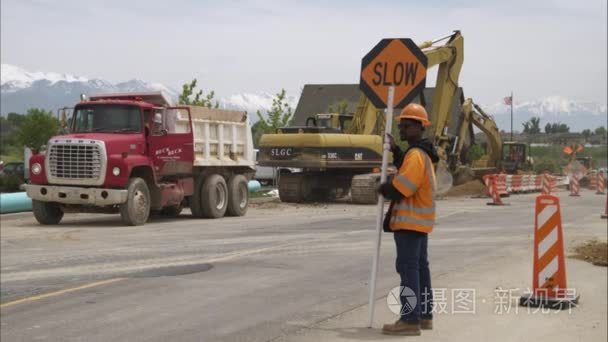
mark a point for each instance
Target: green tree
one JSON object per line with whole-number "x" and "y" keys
{"x": 256, "y": 132}
{"x": 15, "y": 119}
{"x": 279, "y": 115}
{"x": 188, "y": 89}
{"x": 601, "y": 131}
{"x": 534, "y": 125}
{"x": 339, "y": 107}
{"x": 37, "y": 128}
{"x": 475, "y": 152}
{"x": 586, "y": 134}
{"x": 557, "y": 127}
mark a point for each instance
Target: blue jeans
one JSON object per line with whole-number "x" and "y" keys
{"x": 413, "y": 266}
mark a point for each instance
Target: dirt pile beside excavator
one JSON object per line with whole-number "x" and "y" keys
{"x": 595, "y": 252}
{"x": 471, "y": 188}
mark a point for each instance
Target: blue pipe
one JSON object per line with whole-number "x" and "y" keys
{"x": 18, "y": 201}
{"x": 15, "y": 202}
{"x": 254, "y": 186}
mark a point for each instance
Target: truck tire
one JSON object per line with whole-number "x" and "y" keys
{"x": 238, "y": 196}
{"x": 172, "y": 211}
{"x": 196, "y": 198}
{"x": 214, "y": 195}
{"x": 136, "y": 210}
{"x": 47, "y": 212}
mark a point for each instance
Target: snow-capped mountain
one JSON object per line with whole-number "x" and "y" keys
{"x": 22, "y": 89}
{"x": 550, "y": 109}
{"x": 251, "y": 103}
{"x": 15, "y": 78}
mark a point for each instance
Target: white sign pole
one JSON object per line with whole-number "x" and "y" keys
{"x": 379, "y": 220}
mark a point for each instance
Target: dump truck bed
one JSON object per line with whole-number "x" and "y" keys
{"x": 221, "y": 137}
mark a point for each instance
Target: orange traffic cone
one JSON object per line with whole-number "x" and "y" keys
{"x": 574, "y": 186}
{"x": 546, "y": 185}
{"x": 486, "y": 181}
{"x": 601, "y": 184}
{"x": 549, "y": 275}
{"x": 494, "y": 192}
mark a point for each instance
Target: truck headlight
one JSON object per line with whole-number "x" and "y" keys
{"x": 36, "y": 168}
{"x": 116, "y": 171}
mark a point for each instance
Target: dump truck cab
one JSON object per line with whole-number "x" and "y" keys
{"x": 111, "y": 137}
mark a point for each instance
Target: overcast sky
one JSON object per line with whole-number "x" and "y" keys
{"x": 535, "y": 48}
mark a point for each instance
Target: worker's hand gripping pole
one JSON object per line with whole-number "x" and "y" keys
{"x": 386, "y": 148}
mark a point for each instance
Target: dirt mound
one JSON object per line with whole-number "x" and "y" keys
{"x": 472, "y": 188}
{"x": 595, "y": 252}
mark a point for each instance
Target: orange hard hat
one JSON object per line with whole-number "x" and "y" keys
{"x": 416, "y": 112}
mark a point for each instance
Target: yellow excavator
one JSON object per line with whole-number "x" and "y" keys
{"x": 340, "y": 153}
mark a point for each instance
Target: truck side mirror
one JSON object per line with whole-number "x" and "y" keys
{"x": 158, "y": 118}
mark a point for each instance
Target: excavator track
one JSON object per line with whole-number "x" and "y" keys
{"x": 364, "y": 188}
{"x": 312, "y": 187}
{"x": 293, "y": 188}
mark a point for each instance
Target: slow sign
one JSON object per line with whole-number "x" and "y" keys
{"x": 393, "y": 62}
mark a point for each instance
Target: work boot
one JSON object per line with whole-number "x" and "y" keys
{"x": 401, "y": 328}
{"x": 426, "y": 324}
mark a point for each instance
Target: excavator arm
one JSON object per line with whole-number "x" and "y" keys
{"x": 449, "y": 57}
{"x": 472, "y": 113}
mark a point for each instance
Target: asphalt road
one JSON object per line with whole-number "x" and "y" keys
{"x": 260, "y": 277}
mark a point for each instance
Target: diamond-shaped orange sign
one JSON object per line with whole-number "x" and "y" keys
{"x": 393, "y": 62}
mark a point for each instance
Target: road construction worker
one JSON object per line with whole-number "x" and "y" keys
{"x": 411, "y": 217}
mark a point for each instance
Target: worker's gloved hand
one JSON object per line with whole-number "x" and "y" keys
{"x": 391, "y": 141}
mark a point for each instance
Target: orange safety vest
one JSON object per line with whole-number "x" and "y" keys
{"x": 416, "y": 181}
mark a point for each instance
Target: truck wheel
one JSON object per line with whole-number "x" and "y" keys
{"x": 196, "y": 199}
{"x": 172, "y": 211}
{"x": 136, "y": 210}
{"x": 238, "y": 196}
{"x": 47, "y": 212}
{"x": 214, "y": 196}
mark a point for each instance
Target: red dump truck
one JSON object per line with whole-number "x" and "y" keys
{"x": 134, "y": 153}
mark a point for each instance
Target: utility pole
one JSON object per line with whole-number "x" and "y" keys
{"x": 511, "y": 115}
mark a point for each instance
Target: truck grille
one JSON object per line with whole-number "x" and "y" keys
{"x": 80, "y": 162}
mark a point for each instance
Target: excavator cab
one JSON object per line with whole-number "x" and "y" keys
{"x": 322, "y": 123}
{"x": 515, "y": 156}
{"x": 587, "y": 162}
{"x": 339, "y": 122}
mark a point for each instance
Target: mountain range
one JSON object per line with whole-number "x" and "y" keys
{"x": 21, "y": 89}
{"x": 550, "y": 109}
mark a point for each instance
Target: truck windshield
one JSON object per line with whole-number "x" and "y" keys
{"x": 106, "y": 118}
